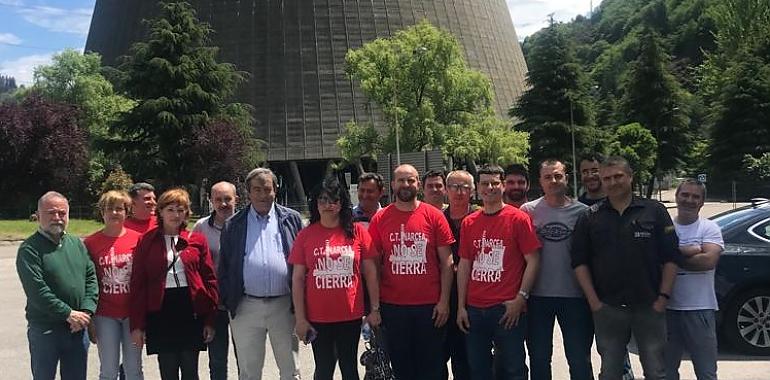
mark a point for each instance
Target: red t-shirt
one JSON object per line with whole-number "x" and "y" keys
{"x": 496, "y": 245}
{"x": 333, "y": 287}
{"x": 113, "y": 259}
{"x": 140, "y": 226}
{"x": 407, "y": 242}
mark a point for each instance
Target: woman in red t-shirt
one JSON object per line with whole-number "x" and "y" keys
{"x": 326, "y": 285}
{"x": 112, "y": 250}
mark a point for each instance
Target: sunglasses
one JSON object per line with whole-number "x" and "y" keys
{"x": 324, "y": 200}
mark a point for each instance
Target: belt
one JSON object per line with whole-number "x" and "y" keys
{"x": 262, "y": 297}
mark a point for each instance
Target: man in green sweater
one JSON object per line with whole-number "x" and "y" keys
{"x": 59, "y": 280}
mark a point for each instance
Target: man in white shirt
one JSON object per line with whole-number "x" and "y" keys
{"x": 223, "y": 199}
{"x": 690, "y": 315}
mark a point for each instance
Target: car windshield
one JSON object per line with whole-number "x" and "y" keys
{"x": 728, "y": 219}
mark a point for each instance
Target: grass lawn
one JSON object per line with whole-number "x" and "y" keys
{"x": 20, "y": 229}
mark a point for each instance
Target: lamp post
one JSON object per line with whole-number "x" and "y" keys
{"x": 574, "y": 161}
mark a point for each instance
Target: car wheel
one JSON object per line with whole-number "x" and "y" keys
{"x": 747, "y": 322}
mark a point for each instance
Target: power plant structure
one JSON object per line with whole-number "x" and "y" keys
{"x": 294, "y": 52}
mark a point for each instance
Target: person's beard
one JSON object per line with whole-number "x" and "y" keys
{"x": 406, "y": 194}
{"x": 55, "y": 229}
{"x": 515, "y": 195}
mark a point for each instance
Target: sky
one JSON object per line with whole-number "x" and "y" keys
{"x": 31, "y": 31}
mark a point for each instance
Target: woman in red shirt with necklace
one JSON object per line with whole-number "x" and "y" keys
{"x": 328, "y": 257}
{"x": 173, "y": 290}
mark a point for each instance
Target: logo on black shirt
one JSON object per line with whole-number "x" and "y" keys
{"x": 554, "y": 231}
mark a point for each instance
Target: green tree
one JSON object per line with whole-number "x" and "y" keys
{"x": 359, "y": 142}
{"x": 422, "y": 83}
{"x": 558, "y": 96}
{"x": 655, "y": 99}
{"x": 180, "y": 89}
{"x": 638, "y": 146}
{"x": 758, "y": 167}
{"x": 740, "y": 116}
{"x": 76, "y": 79}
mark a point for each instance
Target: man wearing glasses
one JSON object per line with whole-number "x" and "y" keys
{"x": 460, "y": 187}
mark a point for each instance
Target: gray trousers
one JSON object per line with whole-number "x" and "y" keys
{"x": 254, "y": 320}
{"x": 613, "y": 328}
{"x": 693, "y": 331}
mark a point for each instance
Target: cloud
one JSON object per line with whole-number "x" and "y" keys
{"x": 22, "y": 68}
{"x": 9, "y": 39}
{"x": 529, "y": 16}
{"x": 60, "y": 20}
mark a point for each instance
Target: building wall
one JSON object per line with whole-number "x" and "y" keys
{"x": 295, "y": 51}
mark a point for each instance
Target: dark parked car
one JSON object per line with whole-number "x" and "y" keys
{"x": 743, "y": 278}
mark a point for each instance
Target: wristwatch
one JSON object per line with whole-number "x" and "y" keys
{"x": 524, "y": 294}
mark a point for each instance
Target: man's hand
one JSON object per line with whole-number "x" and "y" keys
{"x": 374, "y": 319}
{"x": 513, "y": 310}
{"x": 137, "y": 338}
{"x": 660, "y": 304}
{"x": 462, "y": 320}
{"x": 440, "y": 314}
{"x": 92, "y": 333}
{"x": 78, "y": 320}
{"x": 208, "y": 334}
{"x": 595, "y": 305}
{"x": 690, "y": 249}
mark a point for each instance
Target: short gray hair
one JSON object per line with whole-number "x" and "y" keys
{"x": 50, "y": 195}
{"x": 261, "y": 172}
{"x": 457, "y": 173}
{"x": 228, "y": 184}
{"x": 134, "y": 190}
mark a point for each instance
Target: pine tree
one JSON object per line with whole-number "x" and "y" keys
{"x": 180, "y": 89}
{"x": 557, "y": 93}
{"x": 655, "y": 99}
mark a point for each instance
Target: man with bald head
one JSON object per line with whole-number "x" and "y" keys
{"x": 223, "y": 199}
{"x": 59, "y": 280}
{"x": 413, "y": 240}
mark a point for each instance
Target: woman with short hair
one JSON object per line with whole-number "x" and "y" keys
{"x": 174, "y": 290}
{"x": 112, "y": 250}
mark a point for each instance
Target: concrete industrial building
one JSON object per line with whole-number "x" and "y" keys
{"x": 295, "y": 52}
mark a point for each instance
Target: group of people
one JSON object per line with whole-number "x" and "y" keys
{"x": 439, "y": 282}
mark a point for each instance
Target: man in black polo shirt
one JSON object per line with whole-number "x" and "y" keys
{"x": 623, "y": 252}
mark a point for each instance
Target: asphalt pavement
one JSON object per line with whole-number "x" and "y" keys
{"x": 14, "y": 352}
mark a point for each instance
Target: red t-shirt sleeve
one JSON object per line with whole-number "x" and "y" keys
{"x": 297, "y": 254}
{"x": 444, "y": 236}
{"x": 367, "y": 247}
{"x": 526, "y": 237}
{"x": 374, "y": 233}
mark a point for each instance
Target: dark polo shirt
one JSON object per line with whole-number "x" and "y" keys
{"x": 625, "y": 253}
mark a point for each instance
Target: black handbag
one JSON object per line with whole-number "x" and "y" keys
{"x": 375, "y": 359}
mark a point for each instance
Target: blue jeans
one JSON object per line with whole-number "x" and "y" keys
{"x": 57, "y": 346}
{"x": 485, "y": 333}
{"x": 577, "y": 329}
{"x": 218, "y": 348}
{"x": 112, "y": 335}
{"x": 614, "y": 326}
{"x": 415, "y": 346}
{"x": 693, "y": 331}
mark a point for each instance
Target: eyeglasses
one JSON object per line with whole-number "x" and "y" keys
{"x": 459, "y": 187}
{"x": 324, "y": 200}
